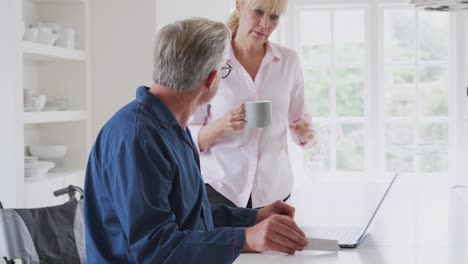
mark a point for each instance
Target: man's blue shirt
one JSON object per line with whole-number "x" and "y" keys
{"x": 145, "y": 200}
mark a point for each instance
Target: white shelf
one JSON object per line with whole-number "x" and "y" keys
{"x": 42, "y": 52}
{"x": 53, "y": 117}
{"x": 55, "y": 175}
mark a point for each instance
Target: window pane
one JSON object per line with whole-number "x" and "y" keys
{"x": 317, "y": 91}
{"x": 434, "y": 162}
{"x": 434, "y": 134}
{"x": 434, "y": 143}
{"x": 399, "y": 135}
{"x": 399, "y": 92}
{"x": 434, "y": 36}
{"x": 399, "y": 161}
{"x": 400, "y": 141}
{"x": 350, "y": 92}
{"x": 349, "y": 36}
{"x": 400, "y": 35}
{"x": 350, "y": 147}
{"x": 434, "y": 91}
{"x": 315, "y": 36}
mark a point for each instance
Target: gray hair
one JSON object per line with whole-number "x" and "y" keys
{"x": 187, "y": 51}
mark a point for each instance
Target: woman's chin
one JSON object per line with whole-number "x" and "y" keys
{"x": 258, "y": 39}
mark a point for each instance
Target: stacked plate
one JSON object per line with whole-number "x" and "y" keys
{"x": 33, "y": 103}
{"x": 60, "y": 164}
{"x": 30, "y": 164}
{"x": 28, "y": 100}
{"x": 50, "y": 153}
{"x": 33, "y": 167}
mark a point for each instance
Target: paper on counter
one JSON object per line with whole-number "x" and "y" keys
{"x": 322, "y": 244}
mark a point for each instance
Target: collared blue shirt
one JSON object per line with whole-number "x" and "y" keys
{"x": 145, "y": 200}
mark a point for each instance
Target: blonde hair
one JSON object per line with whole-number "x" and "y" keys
{"x": 277, "y": 7}
{"x": 187, "y": 51}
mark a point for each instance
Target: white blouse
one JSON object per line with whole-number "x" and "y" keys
{"x": 254, "y": 161}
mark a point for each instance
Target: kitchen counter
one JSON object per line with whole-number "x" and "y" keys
{"x": 421, "y": 221}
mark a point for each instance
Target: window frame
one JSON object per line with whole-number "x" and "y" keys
{"x": 375, "y": 121}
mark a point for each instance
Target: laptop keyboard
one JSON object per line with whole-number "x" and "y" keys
{"x": 344, "y": 235}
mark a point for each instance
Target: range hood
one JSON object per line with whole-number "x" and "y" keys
{"x": 442, "y": 5}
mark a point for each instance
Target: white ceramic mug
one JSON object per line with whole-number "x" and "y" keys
{"x": 258, "y": 113}
{"x": 67, "y": 38}
{"x": 30, "y": 34}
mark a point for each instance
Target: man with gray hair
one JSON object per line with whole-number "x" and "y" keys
{"x": 145, "y": 200}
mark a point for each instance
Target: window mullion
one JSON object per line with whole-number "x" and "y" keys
{"x": 373, "y": 93}
{"x": 333, "y": 116}
{"x": 417, "y": 93}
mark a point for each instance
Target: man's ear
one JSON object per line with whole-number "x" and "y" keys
{"x": 209, "y": 82}
{"x": 237, "y": 8}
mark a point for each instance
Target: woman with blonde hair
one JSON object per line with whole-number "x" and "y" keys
{"x": 250, "y": 167}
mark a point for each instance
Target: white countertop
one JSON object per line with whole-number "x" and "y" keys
{"x": 421, "y": 221}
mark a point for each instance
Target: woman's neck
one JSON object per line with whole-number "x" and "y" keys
{"x": 249, "y": 56}
{"x": 243, "y": 48}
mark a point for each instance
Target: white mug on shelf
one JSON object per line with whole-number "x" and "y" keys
{"x": 47, "y": 36}
{"x": 30, "y": 34}
{"x": 66, "y": 38}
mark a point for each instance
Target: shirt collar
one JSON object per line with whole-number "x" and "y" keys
{"x": 155, "y": 107}
{"x": 272, "y": 53}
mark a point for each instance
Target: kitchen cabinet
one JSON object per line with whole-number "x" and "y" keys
{"x": 62, "y": 75}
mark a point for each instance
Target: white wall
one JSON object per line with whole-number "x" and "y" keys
{"x": 464, "y": 178}
{"x": 167, "y": 11}
{"x": 10, "y": 81}
{"x": 466, "y": 70}
{"x": 122, "y": 37}
{"x": 461, "y": 143}
{"x": 123, "y": 34}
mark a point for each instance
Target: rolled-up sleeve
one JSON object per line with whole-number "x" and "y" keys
{"x": 297, "y": 109}
{"x": 237, "y": 217}
{"x": 197, "y": 121}
{"x": 141, "y": 180}
{"x": 297, "y": 105}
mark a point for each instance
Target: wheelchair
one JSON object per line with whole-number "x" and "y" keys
{"x": 49, "y": 235}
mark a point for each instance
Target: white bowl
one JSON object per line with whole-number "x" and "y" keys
{"x": 31, "y": 34}
{"x": 46, "y": 37}
{"x": 35, "y": 104}
{"x": 48, "y": 151}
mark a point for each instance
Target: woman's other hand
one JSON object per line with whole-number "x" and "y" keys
{"x": 303, "y": 131}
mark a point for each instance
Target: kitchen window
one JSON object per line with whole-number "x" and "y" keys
{"x": 377, "y": 81}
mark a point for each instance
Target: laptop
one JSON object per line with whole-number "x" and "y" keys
{"x": 347, "y": 237}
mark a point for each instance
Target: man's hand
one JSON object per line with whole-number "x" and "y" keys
{"x": 276, "y": 233}
{"x": 276, "y": 208}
